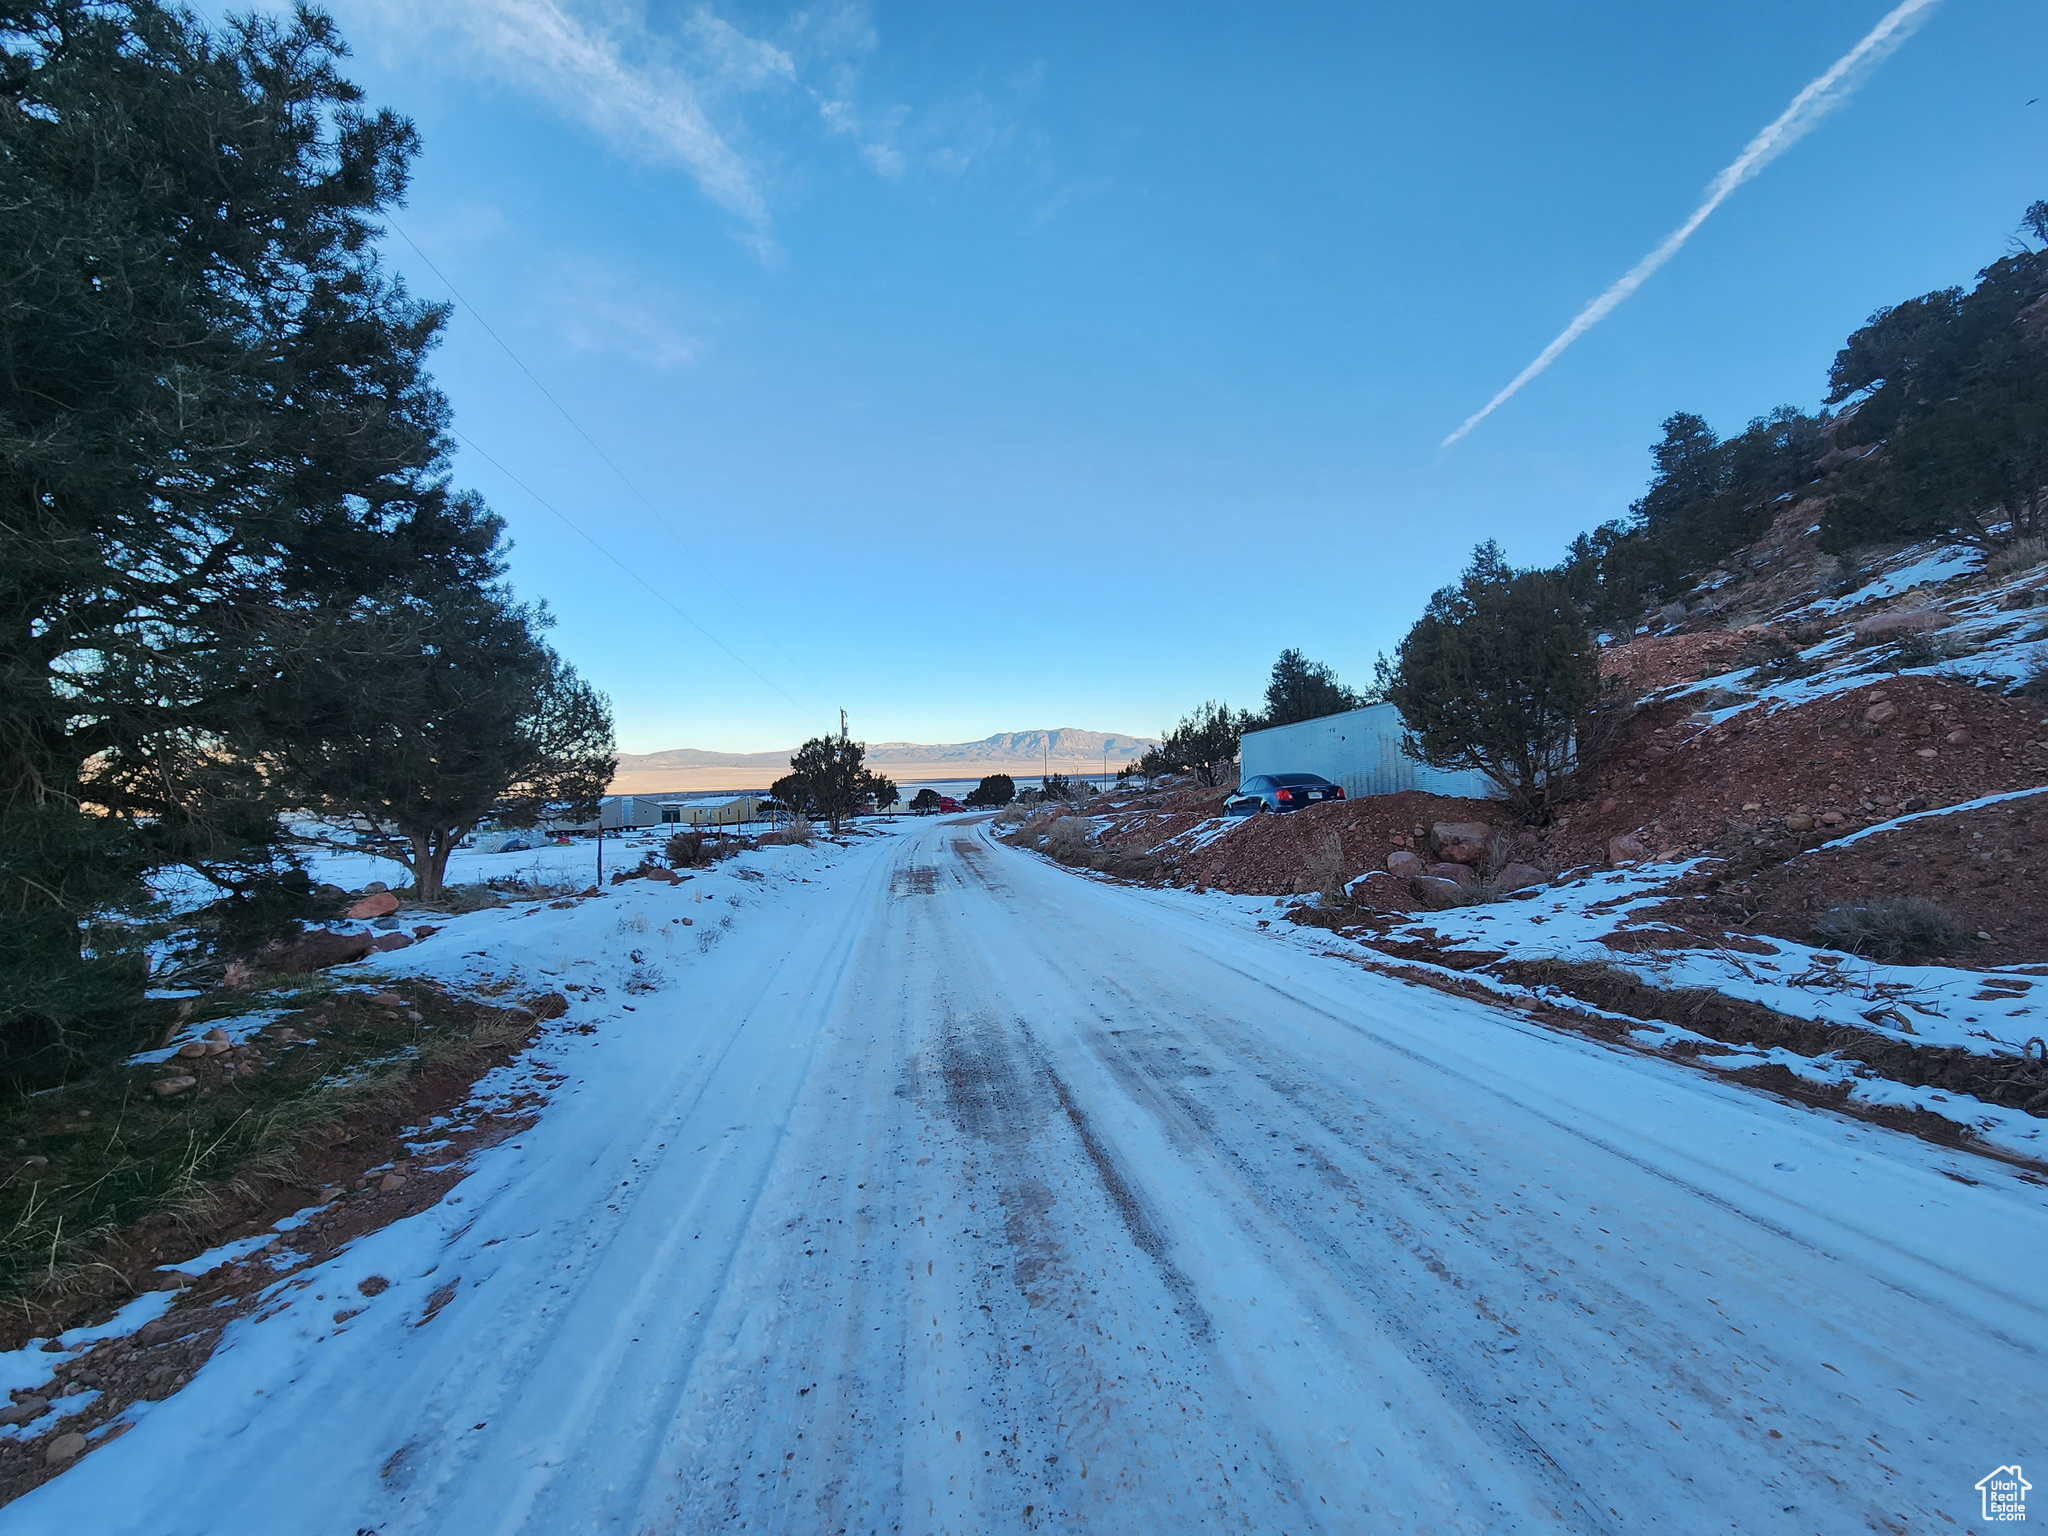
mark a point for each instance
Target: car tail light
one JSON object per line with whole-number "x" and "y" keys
{"x": 1337, "y": 794}
{"x": 1283, "y": 794}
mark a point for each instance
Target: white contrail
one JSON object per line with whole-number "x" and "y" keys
{"x": 1807, "y": 109}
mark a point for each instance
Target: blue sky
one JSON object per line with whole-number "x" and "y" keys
{"x": 1058, "y": 365}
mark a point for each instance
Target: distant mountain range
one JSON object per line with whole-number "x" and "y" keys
{"x": 1017, "y": 753}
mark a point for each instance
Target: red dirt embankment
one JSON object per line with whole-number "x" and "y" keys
{"x": 1982, "y": 867}
{"x": 1858, "y": 756}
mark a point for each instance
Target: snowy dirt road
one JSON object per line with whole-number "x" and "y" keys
{"x": 955, "y": 1192}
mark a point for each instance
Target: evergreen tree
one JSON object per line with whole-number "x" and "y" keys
{"x": 213, "y": 409}
{"x": 833, "y": 777}
{"x": 996, "y": 789}
{"x": 1500, "y": 675}
{"x": 1300, "y": 689}
{"x": 1955, "y": 386}
{"x": 424, "y": 713}
{"x": 1204, "y": 744}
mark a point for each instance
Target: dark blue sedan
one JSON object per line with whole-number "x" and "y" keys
{"x": 1280, "y": 792}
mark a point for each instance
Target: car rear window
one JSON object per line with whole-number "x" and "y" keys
{"x": 1310, "y": 779}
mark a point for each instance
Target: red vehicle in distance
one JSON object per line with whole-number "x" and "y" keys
{"x": 948, "y": 803}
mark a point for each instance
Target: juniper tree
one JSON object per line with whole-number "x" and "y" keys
{"x": 420, "y": 713}
{"x": 213, "y": 408}
{"x": 831, "y": 775}
{"x": 1500, "y": 675}
{"x": 997, "y": 789}
{"x": 1300, "y": 689}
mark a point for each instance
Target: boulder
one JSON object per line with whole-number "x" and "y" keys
{"x": 1460, "y": 842}
{"x": 1518, "y": 877}
{"x": 1880, "y": 712}
{"x": 376, "y": 904}
{"x": 170, "y": 1087}
{"x": 1458, "y": 874}
{"x": 192, "y": 1048}
{"x": 386, "y": 942}
{"x": 1403, "y": 863}
{"x": 1626, "y": 849}
{"x": 1958, "y": 736}
{"x": 65, "y": 1449}
{"x": 24, "y": 1410}
{"x": 317, "y": 950}
{"x": 1437, "y": 894}
{"x": 1799, "y": 821}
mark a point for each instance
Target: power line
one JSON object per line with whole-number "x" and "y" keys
{"x": 653, "y": 511}
{"x": 659, "y": 595}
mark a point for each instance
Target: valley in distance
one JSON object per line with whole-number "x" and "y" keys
{"x": 1021, "y": 754}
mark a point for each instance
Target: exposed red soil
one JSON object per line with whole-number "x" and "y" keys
{"x": 1983, "y": 867}
{"x": 1651, "y": 662}
{"x": 1684, "y": 788}
{"x": 1271, "y": 855}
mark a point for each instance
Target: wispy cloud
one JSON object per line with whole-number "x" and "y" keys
{"x": 1794, "y": 123}
{"x": 616, "y": 83}
{"x": 604, "y": 309}
{"x": 681, "y": 92}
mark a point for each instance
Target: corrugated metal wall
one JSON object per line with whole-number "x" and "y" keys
{"x": 1359, "y": 749}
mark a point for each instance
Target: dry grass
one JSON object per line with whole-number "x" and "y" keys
{"x": 2019, "y": 555}
{"x": 103, "y": 1152}
{"x": 1326, "y": 871}
{"x": 1907, "y": 621}
{"x": 1069, "y": 834}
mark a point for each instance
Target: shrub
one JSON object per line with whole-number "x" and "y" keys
{"x": 2035, "y": 688}
{"x": 1326, "y": 871}
{"x": 1068, "y": 836}
{"x": 1889, "y": 928}
{"x": 2019, "y": 555}
{"x": 1907, "y": 621}
{"x": 685, "y": 850}
{"x": 796, "y": 831}
{"x": 1915, "y": 650}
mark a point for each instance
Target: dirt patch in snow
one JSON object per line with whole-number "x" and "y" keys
{"x": 353, "y": 1163}
{"x": 1612, "y": 991}
{"x": 1734, "y": 1021}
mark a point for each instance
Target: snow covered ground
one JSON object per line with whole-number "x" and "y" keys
{"x": 926, "y": 1186}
